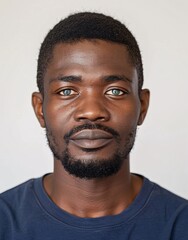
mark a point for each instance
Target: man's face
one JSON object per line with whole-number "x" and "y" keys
{"x": 91, "y": 107}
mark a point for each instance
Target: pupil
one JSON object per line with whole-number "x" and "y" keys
{"x": 115, "y": 92}
{"x": 67, "y": 92}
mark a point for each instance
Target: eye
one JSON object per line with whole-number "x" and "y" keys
{"x": 115, "y": 92}
{"x": 67, "y": 92}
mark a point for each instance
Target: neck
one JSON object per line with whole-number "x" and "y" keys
{"x": 92, "y": 198}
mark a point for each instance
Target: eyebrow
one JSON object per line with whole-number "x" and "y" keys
{"x": 116, "y": 78}
{"x": 71, "y": 78}
{"x": 108, "y": 78}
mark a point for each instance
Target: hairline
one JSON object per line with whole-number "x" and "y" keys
{"x": 75, "y": 41}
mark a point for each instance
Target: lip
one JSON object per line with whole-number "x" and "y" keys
{"x": 91, "y": 138}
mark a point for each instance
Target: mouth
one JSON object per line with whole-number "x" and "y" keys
{"x": 91, "y": 139}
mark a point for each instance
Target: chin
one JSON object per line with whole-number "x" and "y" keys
{"x": 92, "y": 168}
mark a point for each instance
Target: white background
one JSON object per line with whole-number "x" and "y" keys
{"x": 161, "y": 28}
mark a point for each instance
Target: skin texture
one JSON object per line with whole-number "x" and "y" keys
{"x": 91, "y": 82}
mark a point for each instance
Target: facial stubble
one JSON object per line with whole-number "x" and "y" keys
{"x": 95, "y": 168}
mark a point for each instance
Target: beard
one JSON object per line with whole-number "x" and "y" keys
{"x": 95, "y": 168}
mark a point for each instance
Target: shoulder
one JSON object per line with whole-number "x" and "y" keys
{"x": 12, "y": 204}
{"x": 160, "y": 197}
{"x": 160, "y": 202}
{"x": 15, "y": 194}
{"x": 13, "y": 199}
{"x": 167, "y": 198}
{"x": 173, "y": 209}
{"x": 18, "y": 199}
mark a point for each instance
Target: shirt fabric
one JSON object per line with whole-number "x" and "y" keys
{"x": 26, "y": 212}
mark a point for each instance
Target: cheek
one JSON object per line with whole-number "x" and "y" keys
{"x": 56, "y": 116}
{"x": 127, "y": 117}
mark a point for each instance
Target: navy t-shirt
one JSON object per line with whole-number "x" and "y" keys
{"x": 26, "y": 212}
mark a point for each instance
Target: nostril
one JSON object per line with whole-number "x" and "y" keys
{"x": 91, "y": 110}
{"x": 92, "y": 114}
{"x": 100, "y": 119}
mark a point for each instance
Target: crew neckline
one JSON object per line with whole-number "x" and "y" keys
{"x": 58, "y": 214}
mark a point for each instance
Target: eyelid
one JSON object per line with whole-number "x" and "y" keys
{"x": 74, "y": 92}
{"x": 123, "y": 92}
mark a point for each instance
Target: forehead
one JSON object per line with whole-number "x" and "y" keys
{"x": 96, "y": 57}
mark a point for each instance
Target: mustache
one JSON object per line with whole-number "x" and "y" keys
{"x": 110, "y": 130}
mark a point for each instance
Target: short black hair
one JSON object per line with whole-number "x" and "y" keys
{"x": 88, "y": 25}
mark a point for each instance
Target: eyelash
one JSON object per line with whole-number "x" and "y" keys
{"x": 67, "y": 89}
{"x": 122, "y": 92}
{"x": 116, "y": 89}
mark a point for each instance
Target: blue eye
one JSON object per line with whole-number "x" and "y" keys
{"x": 67, "y": 92}
{"x": 115, "y": 92}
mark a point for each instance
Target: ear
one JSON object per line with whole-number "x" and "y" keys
{"x": 144, "y": 100}
{"x": 37, "y": 102}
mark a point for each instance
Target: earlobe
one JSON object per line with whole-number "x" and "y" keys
{"x": 37, "y": 102}
{"x": 144, "y": 100}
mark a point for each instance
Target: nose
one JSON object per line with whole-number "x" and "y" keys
{"x": 92, "y": 109}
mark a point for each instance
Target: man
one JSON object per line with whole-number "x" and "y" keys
{"x": 90, "y": 102}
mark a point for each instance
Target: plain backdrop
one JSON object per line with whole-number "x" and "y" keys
{"x": 161, "y": 28}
